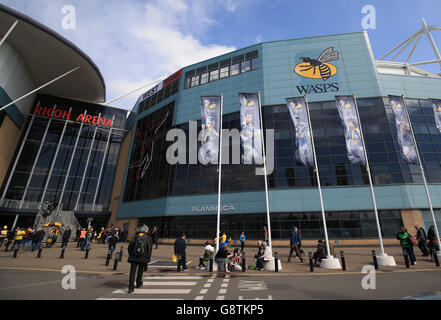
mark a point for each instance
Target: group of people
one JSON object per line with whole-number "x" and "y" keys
{"x": 427, "y": 243}
{"x": 28, "y": 238}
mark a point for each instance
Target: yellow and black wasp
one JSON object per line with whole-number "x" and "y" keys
{"x": 320, "y": 63}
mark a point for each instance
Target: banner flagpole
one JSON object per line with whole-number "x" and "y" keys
{"x": 220, "y": 175}
{"x": 424, "y": 177}
{"x": 266, "y": 178}
{"x": 318, "y": 179}
{"x": 383, "y": 259}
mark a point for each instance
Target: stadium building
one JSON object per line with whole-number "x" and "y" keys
{"x": 183, "y": 197}
{"x": 58, "y": 146}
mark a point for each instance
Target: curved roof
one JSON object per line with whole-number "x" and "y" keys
{"x": 48, "y": 55}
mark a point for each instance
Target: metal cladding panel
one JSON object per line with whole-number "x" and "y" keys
{"x": 410, "y": 86}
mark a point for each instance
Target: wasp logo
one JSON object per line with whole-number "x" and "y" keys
{"x": 308, "y": 68}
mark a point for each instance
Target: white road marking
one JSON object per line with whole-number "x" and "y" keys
{"x": 207, "y": 285}
{"x": 173, "y": 278}
{"x": 224, "y": 285}
{"x": 203, "y": 291}
{"x": 199, "y": 298}
{"x": 170, "y": 283}
{"x": 139, "y": 298}
{"x": 220, "y": 298}
{"x": 223, "y": 291}
{"x": 156, "y": 291}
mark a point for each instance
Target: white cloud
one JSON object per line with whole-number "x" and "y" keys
{"x": 132, "y": 41}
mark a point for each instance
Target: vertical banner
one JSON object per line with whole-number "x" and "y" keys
{"x": 299, "y": 116}
{"x": 437, "y": 113}
{"x": 404, "y": 131}
{"x": 210, "y": 119}
{"x": 250, "y": 128}
{"x": 348, "y": 115}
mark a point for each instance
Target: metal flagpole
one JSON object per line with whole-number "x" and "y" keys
{"x": 266, "y": 178}
{"x": 132, "y": 91}
{"x": 220, "y": 175}
{"x": 45, "y": 85}
{"x": 318, "y": 179}
{"x": 8, "y": 33}
{"x": 368, "y": 169}
{"x": 424, "y": 177}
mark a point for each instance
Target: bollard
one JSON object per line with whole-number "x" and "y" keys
{"x": 343, "y": 260}
{"x": 15, "y": 253}
{"x": 311, "y": 265}
{"x": 179, "y": 261}
{"x": 406, "y": 258}
{"x": 62, "y": 253}
{"x": 244, "y": 266}
{"x": 87, "y": 253}
{"x": 374, "y": 256}
{"x": 115, "y": 264}
{"x": 435, "y": 257}
{"x": 210, "y": 265}
{"x": 39, "y": 253}
{"x": 109, "y": 256}
{"x": 276, "y": 262}
{"x": 121, "y": 253}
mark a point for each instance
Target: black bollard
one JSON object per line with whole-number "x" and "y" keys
{"x": 87, "y": 253}
{"x": 343, "y": 260}
{"x": 244, "y": 266}
{"x": 62, "y": 253}
{"x": 39, "y": 253}
{"x": 115, "y": 264}
{"x": 311, "y": 265}
{"x": 15, "y": 253}
{"x": 406, "y": 258}
{"x": 109, "y": 256}
{"x": 374, "y": 256}
{"x": 435, "y": 257}
{"x": 210, "y": 265}
{"x": 276, "y": 262}
{"x": 121, "y": 253}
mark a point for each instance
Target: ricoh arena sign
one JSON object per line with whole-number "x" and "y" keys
{"x": 66, "y": 115}
{"x": 208, "y": 209}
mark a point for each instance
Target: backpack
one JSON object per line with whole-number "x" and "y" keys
{"x": 139, "y": 245}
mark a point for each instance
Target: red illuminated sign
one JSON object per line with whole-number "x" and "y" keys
{"x": 175, "y": 76}
{"x": 66, "y": 115}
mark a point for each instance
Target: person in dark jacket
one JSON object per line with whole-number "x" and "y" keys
{"x": 66, "y": 237}
{"x": 155, "y": 236}
{"x": 406, "y": 243}
{"x": 37, "y": 239}
{"x": 113, "y": 239}
{"x": 421, "y": 238}
{"x": 294, "y": 245}
{"x": 320, "y": 253}
{"x": 180, "y": 247}
{"x": 140, "y": 252}
{"x": 432, "y": 240}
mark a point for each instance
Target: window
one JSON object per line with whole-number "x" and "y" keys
{"x": 204, "y": 78}
{"x": 195, "y": 81}
{"x": 187, "y": 83}
{"x": 224, "y": 72}
{"x": 246, "y": 66}
{"x": 255, "y": 64}
{"x": 235, "y": 69}
{"x": 214, "y": 75}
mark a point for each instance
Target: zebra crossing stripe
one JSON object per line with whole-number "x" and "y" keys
{"x": 173, "y": 278}
{"x": 170, "y": 283}
{"x": 155, "y": 291}
{"x": 139, "y": 299}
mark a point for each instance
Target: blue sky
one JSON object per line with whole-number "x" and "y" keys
{"x": 136, "y": 41}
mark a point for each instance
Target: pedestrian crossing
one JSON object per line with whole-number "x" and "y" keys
{"x": 190, "y": 287}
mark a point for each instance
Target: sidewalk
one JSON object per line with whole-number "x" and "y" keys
{"x": 356, "y": 258}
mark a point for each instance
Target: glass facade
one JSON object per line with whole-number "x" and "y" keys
{"x": 67, "y": 157}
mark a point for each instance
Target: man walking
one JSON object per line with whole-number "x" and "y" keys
{"x": 37, "y": 239}
{"x": 294, "y": 245}
{"x": 242, "y": 239}
{"x": 421, "y": 238}
{"x": 66, "y": 237}
{"x": 140, "y": 251}
{"x": 180, "y": 247}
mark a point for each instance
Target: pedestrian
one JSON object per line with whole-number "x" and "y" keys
{"x": 37, "y": 239}
{"x": 4, "y": 235}
{"x": 27, "y": 239}
{"x": 140, "y": 251}
{"x": 10, "y": 239}
{"x": 294, "y": 245}
{"x": 77, "y": 236}
{"x": 320, "y": 253}
{"x": 180, "y": 250}
{"x": 406, "y": 243}
{"x": 266, "y": 257}
{"x": 18, "y": 238}
{"x": 88, "y": 240}
{"x": 208, "y": 250}
{"x": 242, "y": 240}
{"x": 224, "y": 259}
{"x": 155, "y": 236}
{"x": 113, "y": 239}
{"x": 82, "y": 239}
{"x": 422, "y": 238}
{"x": 66, "y": 236}
{"x": 432, "y": 240}
{"x": 223, "y": 237}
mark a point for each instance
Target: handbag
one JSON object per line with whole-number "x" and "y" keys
{"x": 174, "y": 258}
